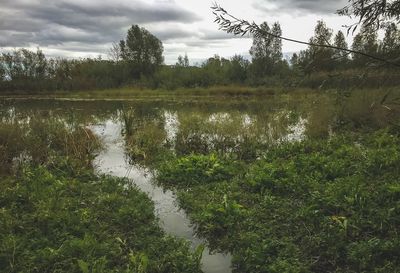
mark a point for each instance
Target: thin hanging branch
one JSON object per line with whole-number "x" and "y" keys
{"x": 376, "y": 13}
{"x": 231, "y": 24}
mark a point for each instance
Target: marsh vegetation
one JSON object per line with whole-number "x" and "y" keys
{"x": 58, "y": 215}
{"x": 299, "y": 182}
{"x": 267, "y": 163}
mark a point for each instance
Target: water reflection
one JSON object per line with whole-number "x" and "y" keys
{"x": 173, "y": 220}
{"x": 243, "y": 135}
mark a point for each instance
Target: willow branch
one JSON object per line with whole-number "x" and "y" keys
{"x": 231, "y": 24}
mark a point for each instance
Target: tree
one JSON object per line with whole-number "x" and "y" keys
{"x": 231, "y": 24}
{"x": 183, "y": 61}
{"x": 321, "y": 56}
{"x": 114, "y": 53}
{"x": 374, "y": 13}
{"x": 213, "y": 69}
{"x": 365, "y": 41}
{"x": 294, "y": 60}
{"x": 142, "y": 50}
{"x": 2, "y": 70}
{"x": 186, "y": 60}
{"x": 318, "y": 56}
{"x": 23, "y": 64}
{"x": 268, "y": 47}
{"x": 341, "y": 57}
{"x": 261, "y": 47}
{"x": 391, "y": 42}
{"x": 237, "y": 71}
{"x": 266, "y": 51}
{"x": 276, "y": 47}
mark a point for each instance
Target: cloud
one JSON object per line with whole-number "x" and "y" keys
{"x": 216, "y": 35}
{"x": 168, "y": 32}
{"x": 90, "y": 22}
{"x": 86, "y": 28}
{"x": 71, "y": 27}
{"x": 300, "y": 6}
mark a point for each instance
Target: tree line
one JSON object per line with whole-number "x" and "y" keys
{"x": 317, "y": 58}
{"x": 138, "y": 61}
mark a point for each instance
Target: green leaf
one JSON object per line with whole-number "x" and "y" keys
{"x": 84, "y": 266}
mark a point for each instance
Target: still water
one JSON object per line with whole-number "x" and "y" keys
{"x": 173, "y": 220}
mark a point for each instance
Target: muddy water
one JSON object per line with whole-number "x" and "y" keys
{"x": 173, "y": 220}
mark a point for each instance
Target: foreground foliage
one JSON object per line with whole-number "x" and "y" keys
{"x": 54, "y": 219}
{"x": 314, "y": 206}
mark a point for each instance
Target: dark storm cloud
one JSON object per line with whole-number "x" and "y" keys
{"x": 300, "y": 6}
{"x": 89, "y": 22}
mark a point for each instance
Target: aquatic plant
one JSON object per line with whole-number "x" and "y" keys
{"x": 312, "y": 206}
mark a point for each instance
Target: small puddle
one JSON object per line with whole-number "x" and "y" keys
{"x": 173, "y": 220}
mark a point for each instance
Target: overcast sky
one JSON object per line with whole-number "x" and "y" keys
{"x": 86, "y": 28}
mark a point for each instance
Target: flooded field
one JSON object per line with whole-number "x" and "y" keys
{"x": 173, "y": 126}
{"x": 221, "y": 149}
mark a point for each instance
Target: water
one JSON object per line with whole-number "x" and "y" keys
{"x": 173, "y": 220}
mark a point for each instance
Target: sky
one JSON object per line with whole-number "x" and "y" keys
{"x": 87, "y": 28}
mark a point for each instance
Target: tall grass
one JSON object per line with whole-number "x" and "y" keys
{"x": 375, "y": 109}
{"x": 11, "y": 144}
{"x": 39, "y": 140}
{"x": 146, "y": 139}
